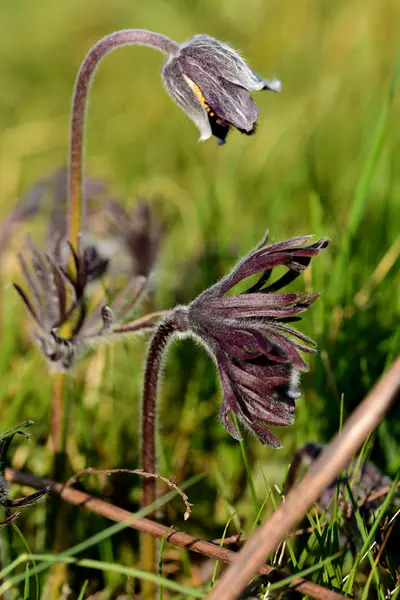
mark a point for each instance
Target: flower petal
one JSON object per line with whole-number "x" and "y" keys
{"x": 181, "y": 93}
{"x": 228, "y": 101}
{"x": 219, "y": 58}
{"x": 265, "y": 259}
{"x": 262, "y": 305}
{"x": 229, "y": 404}
{"x": 265, "y": 436}
{"x": 271, "y": 413}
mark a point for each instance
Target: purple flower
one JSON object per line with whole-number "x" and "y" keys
{"x": 58, "y": 297}
{"x": 256, "y": 351}
{"x": 211, "y": 82}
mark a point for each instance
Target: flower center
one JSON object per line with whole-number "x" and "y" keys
{"x": 199, "y": 94}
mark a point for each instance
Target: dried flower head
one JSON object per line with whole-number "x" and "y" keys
{"x": 211, "y": 82}
{"x": 58, "y": 298}
{"x": 256, "y": 351}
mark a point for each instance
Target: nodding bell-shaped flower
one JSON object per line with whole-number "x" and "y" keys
{"x": 211, "y": 82}
{"x": 257, "y": 353}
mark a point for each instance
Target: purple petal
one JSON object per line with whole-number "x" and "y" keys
{"x": 291, "y": 331}
{"x": 26, "y": 302}
{"x": 245, "y": 343}
{"x": 262, "y": 300}
{"x": 261, "y": 305}
{"x": 290, "y": 349}
{"x": 265, "y": 436}
{"x": 249, "y": 381}
{"x": 271, "y": 412}
{"x": 290, "y": 243}
{"x": 229, "y": 404}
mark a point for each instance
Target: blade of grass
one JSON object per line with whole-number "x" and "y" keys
{"x": 248, "y": 470}
{"x": 270, "y": 494}
{"x": 112, "y": 568}
{"x": 97, "y": 538}
{"x": 223, "y": 488}
{"x": 160, "y": 560}
{"x": 377, "y": 561}
{"x": 280, "y": 584}
{"x": 363, "y": 531}
{"x": 26, "y": 586}
{"x": 358, "y": 205}
{"x": 83, "y": 590}
{"x": 27, "y": 547}
{"x": 214, "y": 575}
{"x": 365, "y": 550}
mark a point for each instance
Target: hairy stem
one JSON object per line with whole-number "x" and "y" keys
{"x": 164, "y": 332}
{"x": 173, "y": 322}
{"x": 79, "y": 104}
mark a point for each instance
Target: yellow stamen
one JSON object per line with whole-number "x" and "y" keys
{"x": 198, "y": 93}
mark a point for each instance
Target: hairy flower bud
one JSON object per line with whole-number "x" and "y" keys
{"x": 211, "y": 82}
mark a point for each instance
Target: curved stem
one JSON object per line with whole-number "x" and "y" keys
{"x": 79, "y": 103}
{"x": 173, "y": 322}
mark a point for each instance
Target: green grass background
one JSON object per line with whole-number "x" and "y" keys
{"x": 325, "y": 160}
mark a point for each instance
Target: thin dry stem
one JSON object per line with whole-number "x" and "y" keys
{"x": 377, "y": 494}
{"x": 177, "y": 538}
{"x": 333, "y": 458}
{"x": 92, "y": 471}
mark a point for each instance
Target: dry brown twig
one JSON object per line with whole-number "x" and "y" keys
{"x": 333, "y": 458}
{"x": 92, "y": 471}
{"x": 375, "y": 495}
{"x": 177, "y": 538}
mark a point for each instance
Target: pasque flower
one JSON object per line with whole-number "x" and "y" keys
{"x": 256, "y": 351}
{"x": 249, "y": 336}
{"x": 211, "y": 82}
{"x": 59, "y": 297}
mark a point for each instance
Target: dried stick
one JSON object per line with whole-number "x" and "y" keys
{"x": 333, "y": 458}
{"x": 92, "y": 471}
{"x": 177, "y": 538}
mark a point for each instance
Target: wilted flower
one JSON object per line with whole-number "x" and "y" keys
{"x": 59, "y": 298}
{"x": 139, "y": 233}
{"x": 211, "y": 82}
{"x": 257, "y": 353}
